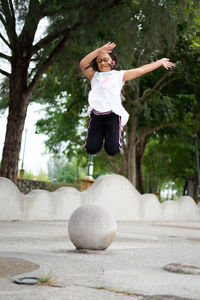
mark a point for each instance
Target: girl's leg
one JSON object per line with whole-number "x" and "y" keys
{"x": 94, "y": 139}
{"x": 113, "y": 134}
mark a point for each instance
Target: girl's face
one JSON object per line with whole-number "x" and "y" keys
{"x": 104, "y": 62}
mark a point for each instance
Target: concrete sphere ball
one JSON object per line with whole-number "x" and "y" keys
{"x": 92, "y": 227}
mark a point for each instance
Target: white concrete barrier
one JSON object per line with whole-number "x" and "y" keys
{"x": 170, "y": 210}
{"x": 188, "y": 209}
{"x": 150, "y": 207}
{"x": 11, "y": 201}
{"x": 44, "y": 205}
{"x": 113, "y": 192}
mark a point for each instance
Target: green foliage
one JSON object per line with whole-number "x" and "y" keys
{"x": 141, "y": 22}
{"x": 146, "y": 38}
{"x": 28, "y": 175}
{"x": 54, "y": 166}
{"x": 139, "y": 29}
{"x": 4, "y": 100}
{"x": 178, "y": 142}
{"x": 105, "y": 164}
{"x": 157, "y": 111}
{"x": 42, "y": 176}
{"x": 65, "y": 96}
{"x": 174, "y": 153}
{"x": 68, "y": 173}
{"x": 64, "y": 171}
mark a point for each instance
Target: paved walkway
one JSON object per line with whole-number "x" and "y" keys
{"x": 131, "y": 268}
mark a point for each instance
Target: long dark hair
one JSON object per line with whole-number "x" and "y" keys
{"x": 93, "y": 64}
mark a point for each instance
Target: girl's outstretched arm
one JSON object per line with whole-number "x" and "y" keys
{"x": 84, "y": 63}
{"x": 134, "y": 73}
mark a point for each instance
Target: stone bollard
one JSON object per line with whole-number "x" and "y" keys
{"x": 92, "y": 227}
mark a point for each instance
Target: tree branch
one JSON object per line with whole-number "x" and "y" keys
{"x": 2, "y": 55}
{"x": 9, "y": 23}
{"x": 156, "y": 87}
{"x": 52, "y": 57}
{"x": 165, "y": 75}
{"x": 5, "y": 73}
{"x": 4, "y": 40}
{"x": 151, "y": 130}
{"x": 44, "y": 5}
{"x": 153, "y": 89}
{"x": 47, "y": 39}
{"x": 2, "y": 20}
{"x": 12, "y": 11}
{"x": 167, "y": 82}
{"x": 30, "y": 26}
{"x": 162, "y": 86}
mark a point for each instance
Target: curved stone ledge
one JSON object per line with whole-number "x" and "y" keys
{"x": 113, "y": 192}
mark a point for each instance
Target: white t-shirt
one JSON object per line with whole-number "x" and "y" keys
{"x": 105, "y": 93}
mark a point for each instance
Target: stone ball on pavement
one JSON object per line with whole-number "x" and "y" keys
{"x": 92, "y": 227}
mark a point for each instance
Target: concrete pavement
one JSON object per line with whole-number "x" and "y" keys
{"x": 131, "y": 268}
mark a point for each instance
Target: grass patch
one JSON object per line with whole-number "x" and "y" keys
{"x": 53, "y": 186}
{"x": 117, "y": 291}
{"x": 46, "y": 279}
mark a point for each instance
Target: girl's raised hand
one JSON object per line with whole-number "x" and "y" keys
{"x": 107, "y": 48}
{"x": 166, "y": 63}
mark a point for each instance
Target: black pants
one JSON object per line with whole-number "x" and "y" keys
{"x": 104, "y": 129}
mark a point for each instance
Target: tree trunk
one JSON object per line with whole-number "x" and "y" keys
{"x": 12, "y": 145}
{"x": 131, "y": 149}
{"x": 192, "y": 187}
{"x": 139, "y": 156}
{"x": 139, "y": 179}
{"x": 18, "y": 104}
{"x": 132, "y": 165}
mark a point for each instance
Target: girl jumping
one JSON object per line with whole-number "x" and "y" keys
{"x": 107, "y": 115}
